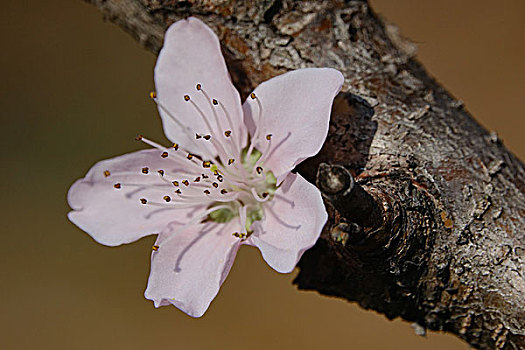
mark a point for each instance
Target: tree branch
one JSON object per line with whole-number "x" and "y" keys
{"x": 432, "y": 228}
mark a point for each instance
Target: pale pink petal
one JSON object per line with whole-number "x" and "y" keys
{"x": 191, "y": 264}
{"x": 116, "y": 216}
{"x": 192, "y": 55}
{"x": 293, "y": 221}
{"x": 295, "y": 110}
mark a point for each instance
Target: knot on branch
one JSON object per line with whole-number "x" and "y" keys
{"x": 348, "y": 198}
{"x": 371, "y": 220}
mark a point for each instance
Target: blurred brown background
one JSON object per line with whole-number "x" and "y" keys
{"x": 74, "y": 91}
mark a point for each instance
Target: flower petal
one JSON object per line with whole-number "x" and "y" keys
{"x": 116, "y": 216}
{"x": 293, "y": 221}
{"x": 192, "y": 55}
{"x": 295, "y": 110}
{"x": 189, "y": 266}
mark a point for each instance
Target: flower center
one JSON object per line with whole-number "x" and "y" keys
{"x": 228, "y": 181}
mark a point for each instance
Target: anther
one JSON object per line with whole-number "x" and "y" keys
{"x": 197, "y": 136}
{"x": 223, "y": 191}
{"x": 215, "y": 184}
{"x": 155, "y": 248}
{"x": 178, "y": 191}
{"x": 167, "y": 198}
{"x": 252, "y": 95}
{"x": 197, "y": 179}
{"x": 259, "y": 170}
{"x": 207, "y": 137}
{"x": 117, "y": 186}
{"x": 175, "y": 183}
{"x": 198, "y": 87}
{"x": 138, "y": 138}
{"x": 206, "y": 164}
{"x": 215, "y": 102}
{"x": 186, "y": 97}
{"x": 207, "y": 191}
{"x": 176, "y": 146}
{"x": 269, "y": 137}
{"x": 204, "y": 176}
{"x": 227, "y": 133}
{"x": 143, "y": 200}
{"x": 189, "y": 156}
{"x": 230, "y": 161}
{"x": 161, "y": 172}
{"x": 235, "y": 234}
{"x": 106, "y": 173}
{"x": 153, "y": 95}
{"x": 220, "y": 178}
{"x": 216, "y": 172}
{"x": 186, "y": 182}
{"x": 145, "y": 170}
{"x": 164, "y": 154}
{"x": 265, "y": 194}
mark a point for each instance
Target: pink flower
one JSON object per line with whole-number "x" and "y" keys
{"x": 225, "y": 182}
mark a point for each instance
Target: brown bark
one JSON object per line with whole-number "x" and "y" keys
{"x": 439, "y": 238}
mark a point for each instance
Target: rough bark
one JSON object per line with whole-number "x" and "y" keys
{"x": 442, "y": 241}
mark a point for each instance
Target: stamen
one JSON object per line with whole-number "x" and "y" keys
{"x": 206, "y": 164}
{"x": 223, "y": 191}
{"x": 155, "y": 248}
{"x": 266, "y": 151}
{"x": 198, "y": 87}
{"x": 189, "y": 156}
{"x": 222, "y": 149}
{"x": 204, "y": 176}
{"x": 151, "y": 143}
{"x": 227, "y": 133}
{"x": 186, "y": 182}
{"x": 143, "y": 200}
{"x": 197, "y": 179}
{"x": 230, "y": 161}
{"x": 259, "y": 170}
{"x": 207, "y": 191}
{"x": 106, "y": 173}
{"x": 178, "y": 191}
{"x": 164, "y": 154}
{"x": 153, "y": 95}
{"x": 175, "y": 183}
{"x": 256, "y": 196}
{"x": 203, "y": 150}
{"x": 220, "y": 178}
{"x": 117, "y": 186}
{"x": 176, "y": 146}
{"x": 138, "y": 138}
{"x": 145, "y": 170}
{"x": 161, "y": 172}
{"x": 239, "y": 235}
{"x": 259, "y": 114}
{"x": 197, "y": 136}
{"x": 215, "y": 184}
{"x": 167, "y": 198}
